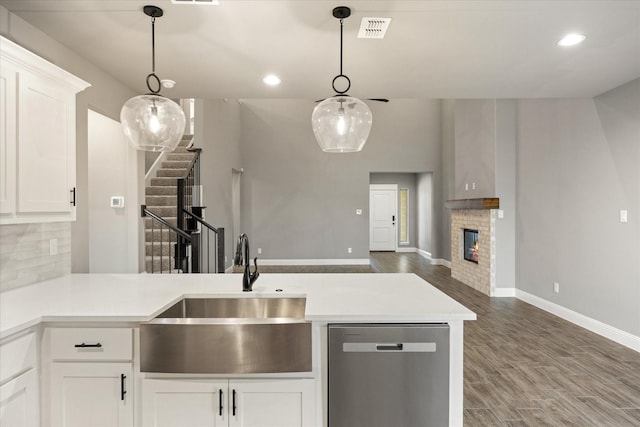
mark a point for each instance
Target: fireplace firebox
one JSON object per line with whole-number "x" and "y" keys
{"x": 470, "y": 245}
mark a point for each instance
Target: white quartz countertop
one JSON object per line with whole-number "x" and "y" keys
{"x": 331, "y": 297}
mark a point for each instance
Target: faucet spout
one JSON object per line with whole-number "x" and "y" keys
{"x": 242, "y": 257}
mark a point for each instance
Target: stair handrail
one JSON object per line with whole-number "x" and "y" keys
{"x": 201, "y": 220}
{"x": 146, "y": 212}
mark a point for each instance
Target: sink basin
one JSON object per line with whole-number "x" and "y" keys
{"x": 234, "y": 308}
{"x": 228, "y": 336}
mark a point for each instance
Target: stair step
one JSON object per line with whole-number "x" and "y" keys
{"x": 177, "y": 173}
{"x": 176, "y": 164}
{"x": 151, "y": 224}
{"x": 161, "y": 191}
{"x": 159, "y": 264}
{"x": 163, "y": 182}
{"x": 164, "y": 235}
{"x": 160, "y": 200}
{"x": 159, "y": 248}
{"x": 179, "y": 157}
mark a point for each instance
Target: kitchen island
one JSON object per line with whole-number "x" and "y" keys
{"x": 105, "y": 300}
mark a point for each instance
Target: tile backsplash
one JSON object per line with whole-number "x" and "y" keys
{"x": 26, "y": 253}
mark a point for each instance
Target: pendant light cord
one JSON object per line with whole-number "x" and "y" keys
{"x": 333, "y": 84}
{"x": 341, "y": 46}
{"x": 153, "y": 60}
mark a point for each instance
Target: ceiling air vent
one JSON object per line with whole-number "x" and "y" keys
{"x": 216, "y": 2}
{"x": 373, "y": 28}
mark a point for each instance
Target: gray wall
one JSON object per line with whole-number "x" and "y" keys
{"x": 505, "y": 185}
{"x": 448, "y": 173}
{"x": 299, "y": 202}
{"x": 408, "y": 181}
{"x": 475, "y": 148}
{"x": 105, "y": 95}
{"x": 578, "y": 166}
{"x": 217, "y": 132}
{"x": 113, "y": 167}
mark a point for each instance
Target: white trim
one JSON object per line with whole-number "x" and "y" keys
{"x": 440, "y": 261}
{"x": 348, "y": 261}
{"x": 607, "y": 331}
{"x": 424, "y": 253}
{"x": 406, "y": 249}
{"x": 503, "y": 292}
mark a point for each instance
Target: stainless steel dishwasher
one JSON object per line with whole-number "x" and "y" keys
{"x": 388, "y": 375}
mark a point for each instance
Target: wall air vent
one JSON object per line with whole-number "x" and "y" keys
{"x": 209, "y": 2}
{"x": 373, "y": 28}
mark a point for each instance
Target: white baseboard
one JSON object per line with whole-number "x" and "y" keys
{"x": 607, "y": 331}
{"x": 440, "y": 261}
{"x": 424, "y": 253}
{"x": 503, "y": 292}
{"x": 406, "y": 249}
{"x": 347, "y": 261}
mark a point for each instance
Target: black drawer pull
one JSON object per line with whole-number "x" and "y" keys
{"x": 233, "y": 405}
{"x": 83, "y": 345}
{"x": 220, "y": 404}
{"x": 122, "y": 390}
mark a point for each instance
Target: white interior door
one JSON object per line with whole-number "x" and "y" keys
{"x": 383, "y": 207}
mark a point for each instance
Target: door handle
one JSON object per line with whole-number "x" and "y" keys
{"x": 123, "y": 377}
{"x": 233, "y": 403}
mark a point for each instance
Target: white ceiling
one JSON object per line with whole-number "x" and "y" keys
{"x": 433, "y": 49}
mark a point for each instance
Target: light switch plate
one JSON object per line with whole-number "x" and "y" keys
{"x": 623, "y": 215}
{"x": 117, "y": 202}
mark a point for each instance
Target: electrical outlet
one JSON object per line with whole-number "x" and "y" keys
{"x": 466, "y": 187}
{"x": 556, "y": 287}
{"x": 349, "y": 250}
{"x": 53, "y": 247}
{"x": 259, "y": 251}
{"x": 473, "y": 185}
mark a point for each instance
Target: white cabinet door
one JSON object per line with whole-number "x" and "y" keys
{"x": 8, "y": 76}
{"x": 92, "y": 394}
{"x": 272, "y": 403}
{"x": 179, "y": 403}
{"x": 46, "y": 146}
{"x": 37, "y": 137}
{"x": 19, "y": 401}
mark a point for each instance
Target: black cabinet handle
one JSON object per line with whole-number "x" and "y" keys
{"x": 122, "y": 390}
{"x": 83, "y": 345}
{"x": 234, "y": 404}
{"x": 73, "y": 196}
{"x": 220, "y": 405}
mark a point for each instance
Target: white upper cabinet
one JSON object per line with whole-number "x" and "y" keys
{"x": 37, "y": 138}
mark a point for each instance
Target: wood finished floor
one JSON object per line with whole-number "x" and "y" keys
{"x": 524, "y": 366}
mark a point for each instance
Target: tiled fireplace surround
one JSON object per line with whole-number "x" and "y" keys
{"x": 480, "y": 276}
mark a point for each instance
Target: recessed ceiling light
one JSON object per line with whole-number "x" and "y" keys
{"x": 271, "y": 80}
{"x": 168, "y": 83}
{"x": 571, "y": 39}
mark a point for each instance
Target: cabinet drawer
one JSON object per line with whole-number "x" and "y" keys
{"x": 91, "y": 343}
{"x": 17, "y": 356}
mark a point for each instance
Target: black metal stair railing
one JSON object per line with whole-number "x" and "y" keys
{"x": 190, "y": 219}
{"x": 191, "y": 244}
{"x": 160, "y": 255}
{"x": 201, "y": 232}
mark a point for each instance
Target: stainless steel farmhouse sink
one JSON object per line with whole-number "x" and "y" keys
{"x": 228, "y": 336}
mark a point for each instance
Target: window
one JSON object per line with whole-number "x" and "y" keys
{"x": 403, "y": 217}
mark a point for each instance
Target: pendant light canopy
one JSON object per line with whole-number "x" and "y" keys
{"x": 341, "y": 124}
{"x": 152, "y": 122}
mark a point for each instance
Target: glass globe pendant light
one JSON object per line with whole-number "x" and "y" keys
{"x": 152, "y": 122}
{"x": 341, "y": 124}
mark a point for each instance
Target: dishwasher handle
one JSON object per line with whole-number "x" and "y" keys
{"x": 372, "y": 347}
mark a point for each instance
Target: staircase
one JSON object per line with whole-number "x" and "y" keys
{"x": 161, "y": 198}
